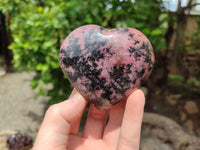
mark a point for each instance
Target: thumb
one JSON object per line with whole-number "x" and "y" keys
{"x": 60, "y": 120}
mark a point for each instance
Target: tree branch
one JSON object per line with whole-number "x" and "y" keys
{"x": 193, "y": 5}
{"x": 190, "y": 5}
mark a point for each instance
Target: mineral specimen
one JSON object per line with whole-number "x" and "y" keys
{"x": 106, "y": 65}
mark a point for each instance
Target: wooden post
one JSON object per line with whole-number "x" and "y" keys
{"x": 4, "y": 42}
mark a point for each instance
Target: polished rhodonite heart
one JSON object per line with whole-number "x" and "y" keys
{"x": 104, "y": 65}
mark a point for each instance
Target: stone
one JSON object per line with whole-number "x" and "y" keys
{"x": 173, "y": 99}
{"x": 19, "y": 142}
{"x": 104, "y": 65}
{"x": 152, "y": 143}
{"x": 13, "y": 140}
{"x": 4, "y": 134}
{"x": 189, "y": 125}
{"x": 182, "y": 116}
{"x": 191, "y": 107}
{"x": 198, "y": 131}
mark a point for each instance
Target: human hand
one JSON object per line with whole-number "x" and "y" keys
{"x": 121, "y": 132}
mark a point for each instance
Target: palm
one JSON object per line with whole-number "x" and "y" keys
{"x": 114, "y": 129}
{"x": 96, "y": 133}
{"x": 76, "y": 143}
{"x": 101, "y": 136}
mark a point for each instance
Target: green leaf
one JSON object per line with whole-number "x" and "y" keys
{"x": 38, "y": 29}
{"x": 40, "y": 9}
{"x": 42, "y": 67}
{"x": 88, "y": 18}
{"x": 34, "y": 84}
{"x": 175, "y": 78}
{"x": 41, "y": 90}
{"x": 156, "y": 32}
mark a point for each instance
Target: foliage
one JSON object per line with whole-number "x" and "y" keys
{"x": 193, "y": 41}
{"x": 39, "y": 27}
{"x": 175, "y": 78}
{"x": 193, "y": 82}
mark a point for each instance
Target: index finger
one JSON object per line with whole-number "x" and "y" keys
{"x": 132, "y": 121}
{"x": 60, "y": 120}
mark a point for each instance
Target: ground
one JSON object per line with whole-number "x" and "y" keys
{"x": 18, "y": 108}
{"x": 20, "y": 111}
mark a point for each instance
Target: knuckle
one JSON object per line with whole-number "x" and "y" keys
{"x": 53, "y": 110}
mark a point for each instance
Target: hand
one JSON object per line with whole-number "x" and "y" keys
{"x": 122, "y": 131}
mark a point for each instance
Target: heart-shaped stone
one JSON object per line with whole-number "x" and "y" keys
{"x": 104, "y": 65}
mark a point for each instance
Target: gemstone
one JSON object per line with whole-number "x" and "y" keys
{"x": 106, "y": 65}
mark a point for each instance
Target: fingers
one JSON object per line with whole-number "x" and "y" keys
{"x": 95, "y": 123}
{"x": 60, "y": 120}
{"x": 74, "y": 91}
{"x": 132, "y": 121}
{"x": 76, "y": 123}
{"x": 75, "y": 111}
{"x": 112, "y": 130}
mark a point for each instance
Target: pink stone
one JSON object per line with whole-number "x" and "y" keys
{"x": 104, "y": 65}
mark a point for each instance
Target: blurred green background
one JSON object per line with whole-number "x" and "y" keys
{"x": 38, "y": 28}
{"x": 33, "y": 30}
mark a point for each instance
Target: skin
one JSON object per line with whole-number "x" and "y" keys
{"x": 122, "y": 131}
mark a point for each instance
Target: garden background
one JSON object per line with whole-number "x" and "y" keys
{"x": 31, "y": 32}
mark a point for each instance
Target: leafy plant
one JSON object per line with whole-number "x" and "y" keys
{"x": 39, "y": 27}
{"x": 175, "y": 78}
{"x": 193, "y": 82}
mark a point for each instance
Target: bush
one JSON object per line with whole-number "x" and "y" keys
{"x": 39, "y": 27}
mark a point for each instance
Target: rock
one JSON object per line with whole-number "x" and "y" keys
{"x": 153, "y": 143}
{"x": 189, "y": 125}
{"x": 4, "y": 134}
{"x": 182, "y": 116}
{"x": 19, "y": 142}
{"x": 173, "y": 99}
{"x": 106, "y": 65}
{"x": 173, "y": 132}
{"x": 198, "y": 132}
{"x": 13, "y": 140}
{"x": 191, "y": 107}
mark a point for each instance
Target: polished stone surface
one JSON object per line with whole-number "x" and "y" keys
{"x": 105, "y": 66}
